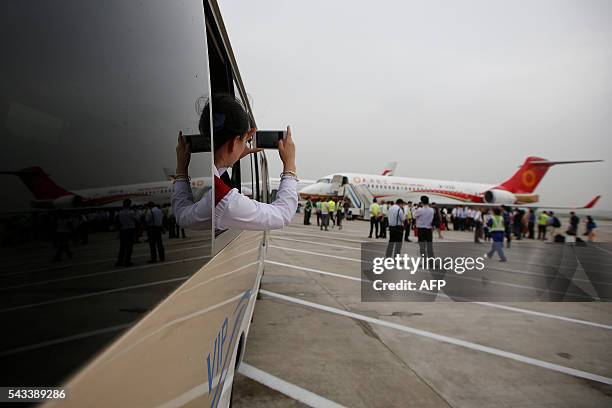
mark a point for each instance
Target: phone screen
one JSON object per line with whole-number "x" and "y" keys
{"x": 268, "y": 139}
{"x": 197, "y": 143}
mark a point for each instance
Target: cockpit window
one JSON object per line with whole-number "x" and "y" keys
{"x": 324, "y": 180}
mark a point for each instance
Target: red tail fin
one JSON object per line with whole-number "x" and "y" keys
{"x": 592, "y": 203}
{"x": 39, "y": 183}
{"x": 527, "y": 178}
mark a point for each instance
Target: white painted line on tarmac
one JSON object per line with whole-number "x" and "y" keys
{"x": 291, "y": 390}
{"x": 320, "y": 272}
{"x": 462, "y": 277}
{"x": 487, "y": 304}
{"x": 547, "y": 315}
{"x": 316, "y": 253}
{"x": 317, "y": 243}
{"x": 446, "y": 339}
{"x": 276, "y": 234}
{"x": 64, "y": 339}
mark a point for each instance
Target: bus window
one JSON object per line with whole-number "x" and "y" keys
{"x": 93, "y": 97}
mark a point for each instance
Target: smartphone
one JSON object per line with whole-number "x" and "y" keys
{"x": 268, "y": 139}
{"x": 197, "y": 143}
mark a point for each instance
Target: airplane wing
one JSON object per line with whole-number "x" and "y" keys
{"x": 587, "y": 206}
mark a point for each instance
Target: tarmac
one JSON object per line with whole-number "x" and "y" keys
{"x": 314, "y": 343}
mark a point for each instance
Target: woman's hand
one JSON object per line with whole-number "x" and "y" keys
{"x": 286, "y": 151}
{"x": 183, "y": 156}
{"x": 248, "y": 150}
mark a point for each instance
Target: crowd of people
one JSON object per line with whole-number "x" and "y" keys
{"x": 332, "y": 211}
{"x": 497, "y": 225}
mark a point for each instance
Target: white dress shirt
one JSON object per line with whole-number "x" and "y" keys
{"x": 423, "y": 217}
{"x": 234, "y": 210}
{"x": 396, "y": 216}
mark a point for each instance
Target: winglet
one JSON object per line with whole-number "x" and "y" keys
{"x": 592, "y": 203}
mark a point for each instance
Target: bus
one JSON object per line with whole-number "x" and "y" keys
{"x": 94, "y": 95}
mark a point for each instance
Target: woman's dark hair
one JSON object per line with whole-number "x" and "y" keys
{"x": 229, "y": 118}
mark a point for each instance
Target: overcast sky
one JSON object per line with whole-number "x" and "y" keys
{"x": 457, "y": 90}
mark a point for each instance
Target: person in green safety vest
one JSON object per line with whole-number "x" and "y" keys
{"x": 339, "y": 214}
{"x": 332, "y": 211}
{"x": 542, "y": 224}
{"x": 374, "y": 217}
{"x": 497, "y": 231}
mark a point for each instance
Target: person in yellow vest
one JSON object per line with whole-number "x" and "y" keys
{"x": 332, "y": 211}
{"x": 542, "y": 224}
{"x": 497, "y": 230}
{"x": 374, "y": 217}
{"x": 339, "y": 214}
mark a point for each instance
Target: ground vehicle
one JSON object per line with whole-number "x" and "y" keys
{"x": 95, "y": 94}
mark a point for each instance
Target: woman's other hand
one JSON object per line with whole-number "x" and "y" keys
{"x": 183, "y": 155}
{"x": 248, "y": 150}
{"x": 286, "y": 151}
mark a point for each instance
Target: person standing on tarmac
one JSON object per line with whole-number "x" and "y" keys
{"x": 307, "y": 212}
{"x": 374, "y": 214}
{"x": 542, "y": 224}
{"x": 233, "y": 209}
{"x": 424, "y": 217}
{"x": 127, "y": 220}
{"x": 339, "y": 214}
{"x": 477, "y": 217}
{"x": 407, "y": 221}
{"x": 384, "y": 209}
{"x": 332, "y": 210}
{"x": 396, "y": 217}
{"x": 154, "y": 223}
{"x": 498, "y": 231}
{"x": 324, "y": 214}
{"x": 318, "y": 211}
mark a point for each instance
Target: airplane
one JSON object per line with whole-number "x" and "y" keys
{"x": 517, "y": 190}
{"x": 49, "y": 195}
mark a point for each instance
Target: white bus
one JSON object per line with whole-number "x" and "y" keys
{"x": 95, "y": 94}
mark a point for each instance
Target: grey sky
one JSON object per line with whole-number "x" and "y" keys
{"x": 460, "y": 90}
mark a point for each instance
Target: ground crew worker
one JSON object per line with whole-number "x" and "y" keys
{"x": 498, "y": 232}
{"x": 307, "y": 212}
{"x": 232, "y": 209}
{"x": 374, "y": 220}
{"x": 332, "y": 210}
{"x": 339, "y": 214}
{"x": 542, "y": 223}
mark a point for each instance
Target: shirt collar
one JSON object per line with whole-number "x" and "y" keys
{"x": 220, "y": 171}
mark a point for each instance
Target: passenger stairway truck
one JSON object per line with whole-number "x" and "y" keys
{"x": 359, "y": 196}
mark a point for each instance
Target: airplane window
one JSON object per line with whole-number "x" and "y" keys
{"x": 324, "y": 180}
